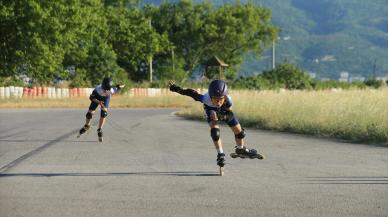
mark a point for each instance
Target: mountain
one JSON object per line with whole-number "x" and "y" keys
{"x": 325, "y": 37}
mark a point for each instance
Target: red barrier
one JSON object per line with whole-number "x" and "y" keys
{"x": 75, "y": 92}
{"x": 25, "y": 91}
{"x": 33, "y": 91}
{"x": 44, "y": 91}
{"x": 38, "y": 91}
{"x": 79, "y": 92}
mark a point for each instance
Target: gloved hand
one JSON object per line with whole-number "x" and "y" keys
{"x": 225, "y": 115}
{"x": 171, "y": 85}
{"x": 120, "y": 86}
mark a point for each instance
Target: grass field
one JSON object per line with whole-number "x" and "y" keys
{"x": 356, "y": 115}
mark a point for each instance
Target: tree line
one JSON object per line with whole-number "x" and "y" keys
{"x": 82, "y": 41}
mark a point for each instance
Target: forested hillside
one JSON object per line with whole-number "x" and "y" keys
{"x": 326, "y": 36}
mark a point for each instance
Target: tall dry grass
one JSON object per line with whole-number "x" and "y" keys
{"x": 357, "y": 115}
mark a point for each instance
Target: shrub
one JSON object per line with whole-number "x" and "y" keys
{"x": 289, "y": 76}
{"x": 11, "y": 81}
{"x": 374, "y": 83}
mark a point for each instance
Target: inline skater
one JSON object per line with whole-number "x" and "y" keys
{"x": 217, "y": 104}
{"x": 100, "y": 97}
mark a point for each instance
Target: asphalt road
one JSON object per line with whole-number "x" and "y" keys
{"x": 153, "y": 163}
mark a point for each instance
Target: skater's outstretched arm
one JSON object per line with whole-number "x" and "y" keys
{"x": 187, "y": 92}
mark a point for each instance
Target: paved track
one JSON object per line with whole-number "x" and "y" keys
{"x": 153, "y": 163}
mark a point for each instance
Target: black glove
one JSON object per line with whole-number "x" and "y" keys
{"x": 225, "y": 115}
{"x": 175, "y": 88}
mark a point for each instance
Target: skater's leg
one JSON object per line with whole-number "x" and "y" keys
{"x": 215, "y": 134}
{"x": 104, "y": 113}
{"x": 239, "y": 135}
{"x": 89, "y": 116}
{"x": 90, "y": 113}
{"x": 215, "y": 131}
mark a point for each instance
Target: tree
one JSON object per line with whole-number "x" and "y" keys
{"x": 288, "y": 76}
{"x": 43, "y": 38}
{"x": 133, "y": 40}
{"x": 234, "y": 30}
{"x": 32, "y": 41}
{"x": 88, "y": 48}
{"x": 200, "y": 31}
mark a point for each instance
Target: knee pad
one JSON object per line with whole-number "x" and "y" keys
{"x": 215, "y": 134}
{"x": 240, "y": 135}
{"x": 89, "y": 115}
{"x": 104, "y": 113}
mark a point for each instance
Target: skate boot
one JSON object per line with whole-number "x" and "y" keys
{"x": 100, "y": 134}
{"x": 246, "y": 153}
{"x": 221, "y": 159}
{"x": 83, "y": 130}
{"x": 221, "y": 163}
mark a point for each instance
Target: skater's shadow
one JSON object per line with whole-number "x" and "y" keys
{"x": 4, "y": 175}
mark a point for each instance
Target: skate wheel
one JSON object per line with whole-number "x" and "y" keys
{"x": 233, "y": 155}
{"x": 221, "y": 171}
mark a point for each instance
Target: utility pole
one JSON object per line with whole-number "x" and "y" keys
{"x": 273, "y": 54}
{"x": 150, "y": 59}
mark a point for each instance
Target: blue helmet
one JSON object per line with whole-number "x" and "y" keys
{"x": 218, "y": 88}
{"x": 107, "y": 83}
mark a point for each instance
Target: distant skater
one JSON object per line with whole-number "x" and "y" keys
{"x": 100, "y": 97}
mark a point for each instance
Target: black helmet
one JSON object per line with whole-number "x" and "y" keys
{"x": 107, "y": 83}
{"x": 218, "y": 88}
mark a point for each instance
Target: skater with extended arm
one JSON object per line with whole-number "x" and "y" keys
{"x": 100, "y": 97}
{"x": 218, "y": 107}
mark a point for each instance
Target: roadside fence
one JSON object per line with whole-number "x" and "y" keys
{"x": 58, "y": 93}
